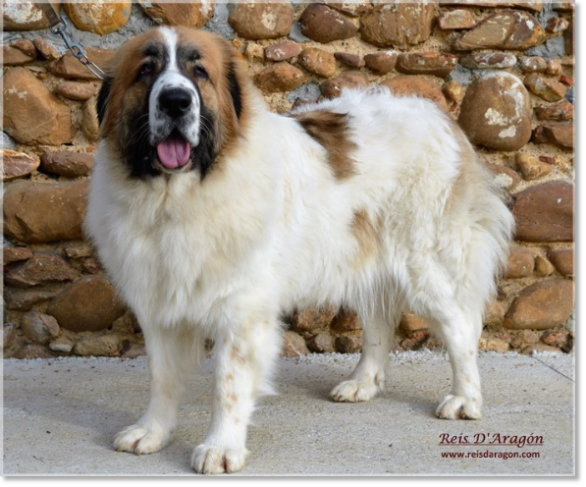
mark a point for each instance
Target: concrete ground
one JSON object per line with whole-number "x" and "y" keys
{"x": 61, "y": 415}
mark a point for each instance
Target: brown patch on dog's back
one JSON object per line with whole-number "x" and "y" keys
{"x": 366, "y": 235}
{"x": 331, "y": 131}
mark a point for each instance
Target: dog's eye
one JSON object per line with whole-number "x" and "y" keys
{"x": 200, "y": 72}
{"x": 146, "y": 69}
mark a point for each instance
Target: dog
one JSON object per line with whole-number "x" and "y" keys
{"x": 214, "y": 217}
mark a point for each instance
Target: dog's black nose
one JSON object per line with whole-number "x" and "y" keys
{"x": 175, "y": 102}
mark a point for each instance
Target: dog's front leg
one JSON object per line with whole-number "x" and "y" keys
{"x": 242, "y": 364}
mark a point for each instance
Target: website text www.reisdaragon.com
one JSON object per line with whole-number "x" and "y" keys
{"x": 483, "y": 446}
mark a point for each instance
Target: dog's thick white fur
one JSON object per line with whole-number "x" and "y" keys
{"x": 417, "y": 226}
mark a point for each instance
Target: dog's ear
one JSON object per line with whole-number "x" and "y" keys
{"x": 102, "y": 102}
{"x": 234, "y": 88}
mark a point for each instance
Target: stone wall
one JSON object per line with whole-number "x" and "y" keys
{"x": 504, "y": 72}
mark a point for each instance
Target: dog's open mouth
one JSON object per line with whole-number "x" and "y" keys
{"x": 174, "y": 151}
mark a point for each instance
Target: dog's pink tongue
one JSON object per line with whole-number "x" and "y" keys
{"x": 173, "y": 152}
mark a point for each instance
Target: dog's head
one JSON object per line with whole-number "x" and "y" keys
{"x": 172, "y": 100}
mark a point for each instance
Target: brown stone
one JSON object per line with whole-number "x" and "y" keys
{"x": 188, "y": 14}
{"x": 89, "y": 123}
{"x": 21, "y": 16}
{"x": 496, "y": 112}
{"x": 561, "y": 112}
{"x": 351, "y": 60}
{"x": 348, "y": 344}
{"x": 19, "y": 52}
{"x": 505, "y": 177}
{"x": 46, "y": 49}
{"x": 293, "y": 345}
{"x": 433, "y": 63}
{"x": 17, "y": 164}
{"x": 33, "y": 351}
{"x": 491, "y": 344}
{"x": 560, "y": 134}
{"x": 456, "y": 19}
{"x": 546, "y": 88}
{"x": 62, "y": 345}
{"x": 506, "y": 29}
{"x": 489, "y": 60}
{"x": 321, "y": 343}
{"x": 556, "y": 338}
{"x": 493, "y": 313}
{"x": 543, "y": 305}
{"x": 381, "y": 62}
{"x": 531, "y": 167}
{"x": 32, "y": 114}
{"x": 282, "y": 51}
{"x": 16, "y": 254}
{"x": 98, "y": 346}
{"x": 346, "y": 320}
{"x": 257, "y": 21}
{"x": 44, "y": 212}
{"x": 75, "y": 91}
{"x": 563, "y": 260}
{"x": 416, "y": 86}
{"x": 312, "y": 319}
{"x": 554, "y": 67}
{"x": 557, "y": 25}
{"x": 399, "y": 24}
{"x": 349, "y": 79}
{"x": 67, "y": 164}
{"x": 69, "y": 67}
{"x": 322, "y": 24}
{"x": 410, "y": 323}
{"x": 98, "y": 17}
{"x": 25, "y": 299}
{"x": 41, "y": 268}
{"x": 318, "y": 61}
{"x": 520, "y": 263}
{"x": 532, "y": 64}
{"x": 89, "y": 304}
{"x": 39, "y": 328}
{"x": 524, "y": 339}
{"x": 545, "y": 213}
{"x": 280, "y": 77}
{"x": 543, "y": 267}
{"x": 453, "y": 91}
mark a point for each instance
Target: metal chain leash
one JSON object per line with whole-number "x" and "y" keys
{"x": 58, "y": 25}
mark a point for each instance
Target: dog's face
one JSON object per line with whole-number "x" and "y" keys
{"x": 172, "y": 101}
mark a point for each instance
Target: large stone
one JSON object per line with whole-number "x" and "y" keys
{"x": 89, "y": 304}
{"x": 19, "y": 52}
{"x": 188, "y": 14}
{"x": 507, "y": 29}
{"x": 323, "y": 24}
{"x": 67, "y": 164}
{"x": 349, "y": 79}
{"x": 75, "y": 91}
{"x": 17, "y": 164}
{"x": 563, "y": 260}
{"x": 20, "y": 16}
{"x": 496, "y": 112}
{"x": 546, "y": 88}
{"x": 41, "y": 268}
{"x": 545, "y": 213}
{"x": 44, "y": 212}
{"x": 520, "y": 263}
{"x": 398, "y": 24}
{"x": 282, "y": 51}
{"x": 489, "y": 60}
{"x": 32, "y": 114}
{"x": 102, "y": 17}
{"x": 257, "y": 21}
{"x": 280, "y": 77}
{"x": 69, "y": 67}
{"x": 543, "y": 305}
{"x": 433, "y": 63}
{"x": 98, "y": 346}
{"x": 381, "y": 62}
{"x": 560, "y": 134}
{"x": 318, "y": 61}
{"x": 39, "y": 328}
{"x": 561, "y": 112}
{"x": 416, "y": 86}
{"x": 456, "y": 19}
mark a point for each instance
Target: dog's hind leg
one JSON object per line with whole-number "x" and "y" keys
{"x": 369, "y": 376}
{"x": 172, "y": 354}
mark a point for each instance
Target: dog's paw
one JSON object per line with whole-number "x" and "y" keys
{"x": 138, "y": 440}
{"x": 213, "y": 459}
{"x": 354, "y": 391}
{"x": 459, "y": 407}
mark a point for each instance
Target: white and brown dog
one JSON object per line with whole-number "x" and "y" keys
{"x": 214, "y": 217}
